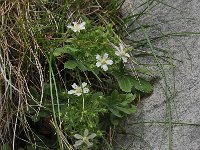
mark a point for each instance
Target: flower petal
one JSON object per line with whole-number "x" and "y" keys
{"x": 74, "y": 86}
{"x": 86, "y": 140}
{"x": 98, "y": 57}
{"x": 78, "y": 136}
{"x": 86, "y": 132}
{"x": 75, "y": 30}
{"x": 89, "y": 144}
{"x": 86, "y": 90}
{"x": 75, "y": 23}
{"x": 78, "y": 94}
{"x": 93, "y": 135}
{"x": 71, "y": 92}
{"x": 109, "y": 62}
{"x": 84, "y": 84}
{"x": 78, "y": 143}
{"x": 82, "y": 25}
{"x": 70, "y": 26}
{"x": 105, "y": 56}
{"x": 121, "y": 46}
{"x": 105, "y": 67}
{"x": 98, "y": 64}
{"x": 127, "y": 55}
{"x": 117, "y": 53}
{"x": 124, "y": 59}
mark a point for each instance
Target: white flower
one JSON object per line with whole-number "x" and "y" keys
{"x": 121, "y": 52}
{"x": 103, "y": 61}
{"x": 78, "y": 90}
{"x": 84, "y": 139}
{"x": 77, "y": 27}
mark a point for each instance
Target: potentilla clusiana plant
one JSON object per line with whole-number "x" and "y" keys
{"x": 96, "y": 52}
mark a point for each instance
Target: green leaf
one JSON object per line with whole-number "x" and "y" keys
{"x": 115, "y": 112}
{"x": 96, "y": 95}
{"x": 125, "y": 110}
{"x": 146, "y": 71}
{"x": 125, "y": 83}
{"x": 70, "y": 64}
{"x": 63, "y": 50}
{"x": 114, "y": 95}
{"x": 133, "y": 109}
{"x": 114, "y": 120}
{"x": 142, "y": 85}
{"x": 130, "y": 97}
{"x": 82, "y": 66}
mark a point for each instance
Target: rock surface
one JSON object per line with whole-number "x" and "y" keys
{"x": 170, "y": 117}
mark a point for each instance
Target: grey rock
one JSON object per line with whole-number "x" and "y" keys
{"x": 170, "y": 117}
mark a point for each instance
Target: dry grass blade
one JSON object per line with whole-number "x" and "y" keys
{"x": 17, "y": 54}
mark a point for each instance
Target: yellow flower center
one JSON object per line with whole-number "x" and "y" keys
{"x": 122, "y": 53}
{"x": 78, "y": 90}
{"x": 77, "y": 27}
{"x": 85, "y": 139}
{"x": 103, "y": 61}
